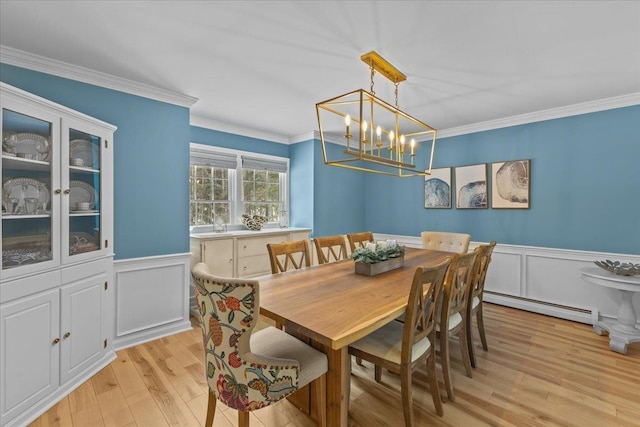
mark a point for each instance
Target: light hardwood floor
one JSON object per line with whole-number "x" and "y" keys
{"x": 539, "y": 371}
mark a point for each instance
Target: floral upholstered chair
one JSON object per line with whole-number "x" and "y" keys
{"x": 249, "y": 371}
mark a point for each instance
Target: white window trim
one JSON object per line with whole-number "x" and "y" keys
{"x": 235, "y": 183}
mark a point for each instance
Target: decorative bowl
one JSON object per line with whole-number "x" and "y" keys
{"x": 253, "y": 222}
{"x": 616, "y": 267}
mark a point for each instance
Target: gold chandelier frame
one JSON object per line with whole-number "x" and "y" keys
{"x": 386, "y": 140}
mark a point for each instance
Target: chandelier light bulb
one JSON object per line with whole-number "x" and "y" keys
{"x": 364, "y": 125}
{"x": 347, "y": 120}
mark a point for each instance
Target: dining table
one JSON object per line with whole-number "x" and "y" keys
{"x": 330, "y": 306}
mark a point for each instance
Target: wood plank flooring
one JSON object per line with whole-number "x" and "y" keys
{"x": 539, "y": 371}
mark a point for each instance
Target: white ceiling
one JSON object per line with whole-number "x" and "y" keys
{"x": 260, "y": 66}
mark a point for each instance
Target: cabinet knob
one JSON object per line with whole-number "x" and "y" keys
{"x": 67, "y": 335}
{"x": 67, "y": 191}
{"x": 56, "y": 341}
{"x": 58, "y": 191}
{"x": 230, "y": 260}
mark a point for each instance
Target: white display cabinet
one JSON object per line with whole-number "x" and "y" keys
{"x": 56, "y": 302}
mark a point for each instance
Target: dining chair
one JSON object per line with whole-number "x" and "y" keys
{"x": 330, "y": 247}
{"x": 245, "y": 370}
{"x": 444, "y": 241}
{"x": 359, "y": 240}
{"x": 476, "y": 293}
{"x": 404, "y": 347}
{"x": 289, "y": 256}
{"x": 453, "y": 314}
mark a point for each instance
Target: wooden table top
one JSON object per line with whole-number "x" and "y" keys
{"x": 334, "y": 306}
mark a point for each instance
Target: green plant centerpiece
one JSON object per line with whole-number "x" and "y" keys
{"x": 378, "y": 257}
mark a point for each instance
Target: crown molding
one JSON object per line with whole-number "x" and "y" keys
{"x": 213, "y": 124}
{"x": 45, "y": 65}
{"x": 42, "y": 64}
{"x": 550, "y": 114}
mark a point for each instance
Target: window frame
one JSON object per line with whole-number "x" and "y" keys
{"x": 236, "y": 207}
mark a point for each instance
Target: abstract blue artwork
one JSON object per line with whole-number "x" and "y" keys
{"x": 471, "y": 187}
{"x": 510, "y": 184}
{"x": 437, "y": 189}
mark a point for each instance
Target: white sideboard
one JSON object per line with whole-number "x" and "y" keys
{"x": 241, "y": 253}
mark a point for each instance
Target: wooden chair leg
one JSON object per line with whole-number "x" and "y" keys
{"x": 446, "y": 368}
{"x": 378, "y": 373}
{"x": 211, "y": 409}
{"x": 464, "y": 349}
{"x": 407, "y": 398}
{"x": 319, "y": 399}
{"x": 433, "y": 382}
{"x": 480, "y": 319}
{"x": 472, "y": 353}
{"x": 243, "y": 419}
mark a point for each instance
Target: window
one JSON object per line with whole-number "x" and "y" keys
{"x": 227, "y": 183}
{"x": 209, "y": 189}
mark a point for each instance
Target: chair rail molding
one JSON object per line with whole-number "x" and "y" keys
{"x": 152, "y": 298}
{"x": 544, "y": 280}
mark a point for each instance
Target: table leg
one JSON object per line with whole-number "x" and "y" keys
{"x": 623, "y": 331}
{"x": 338, "y": 383}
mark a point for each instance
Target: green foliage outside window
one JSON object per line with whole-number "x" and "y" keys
{"x": 208, "y": 194}
{"x": 261, "y": 193}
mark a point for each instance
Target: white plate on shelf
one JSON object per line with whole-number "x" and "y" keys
{"x": 81, "y": 192}
{"x": 33, "y": 188}
{"x": 30, "y": 146}
{"x": 81, "y": 149}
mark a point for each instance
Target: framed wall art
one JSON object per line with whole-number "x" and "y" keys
{"x": 437, "y": 189}
{"x": 471, "y": 187}
{"x": 510, "y": 184}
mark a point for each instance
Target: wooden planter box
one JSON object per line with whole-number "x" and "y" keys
{"x": 379, "y": 267}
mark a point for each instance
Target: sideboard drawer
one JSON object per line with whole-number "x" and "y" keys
{"x": 254, "y": 265}
{"x": 258, "y": 246}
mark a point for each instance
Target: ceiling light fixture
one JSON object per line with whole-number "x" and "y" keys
{"x": 385, "y": 139}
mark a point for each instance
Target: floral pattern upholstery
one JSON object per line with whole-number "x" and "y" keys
{"x": 240, "y": 379}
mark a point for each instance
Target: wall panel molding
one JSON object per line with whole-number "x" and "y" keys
{"x": 152, "y": 298}
{"x": 545, "y": 280}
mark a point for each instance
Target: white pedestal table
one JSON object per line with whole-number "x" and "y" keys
{"x": 624, "y": 330}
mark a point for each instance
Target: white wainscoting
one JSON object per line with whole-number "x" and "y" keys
{"x": 545, "y": 280}
{"x": 152, "y": 298}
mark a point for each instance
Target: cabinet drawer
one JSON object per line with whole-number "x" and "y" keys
{"x": 300, "y": 235}
{"x": 258, "y": 246}
{"x": 254, "y": 265}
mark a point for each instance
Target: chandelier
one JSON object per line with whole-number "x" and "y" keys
{"x": 385, "y": 140}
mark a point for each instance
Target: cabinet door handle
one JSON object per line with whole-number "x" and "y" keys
{"x": 56, "y": 341}
{"x": 58, "y": 191}
{"x": 230, "y": 260}
{"x": 67, "y": 191}
{"x": 67, "y": 335}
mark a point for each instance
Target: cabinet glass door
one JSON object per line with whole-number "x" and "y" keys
{"x": 28, "y": 153}
{"x": 84, "y": 166}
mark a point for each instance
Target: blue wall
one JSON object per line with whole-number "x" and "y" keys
{"x": 585, "y": 181}
{"x": 338, "y": 196}
{"x": 151, "y": 156}
{"x": 585, "y": 186}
